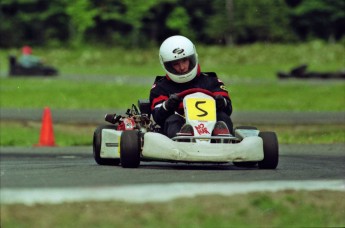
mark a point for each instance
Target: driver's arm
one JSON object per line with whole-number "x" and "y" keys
{"x": 159, "y": 115}
{"x": 223, "y": 103}
{"x": 222, "y": 97}
{"x": 159, "y": 111}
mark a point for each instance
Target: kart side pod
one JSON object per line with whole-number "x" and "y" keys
{"x": 106, "y": 145}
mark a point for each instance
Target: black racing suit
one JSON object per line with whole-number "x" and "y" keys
{"x": 163, "y": 87}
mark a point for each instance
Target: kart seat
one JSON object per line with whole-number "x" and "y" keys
{"x": 144, "y": 106}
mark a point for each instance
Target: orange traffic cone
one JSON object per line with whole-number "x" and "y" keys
{"x": 47, "y": 133}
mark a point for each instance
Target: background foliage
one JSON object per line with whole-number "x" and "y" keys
{"x": 132, "y": 24}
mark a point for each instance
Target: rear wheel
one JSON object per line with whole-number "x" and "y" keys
{"x": 97, "y": 142}
{"x": 271, "y": 150}
{"x": 130, "y": 148}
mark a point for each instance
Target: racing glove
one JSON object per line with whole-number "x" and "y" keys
{"x": 221, "y": 102}
{"x": 172, "y": 103}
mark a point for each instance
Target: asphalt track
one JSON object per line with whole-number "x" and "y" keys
{"x": 89, "y": 116}
{"x": 31, "y": 175}
{"x": 59, "y": 174}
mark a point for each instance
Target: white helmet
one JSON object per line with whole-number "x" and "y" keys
{"x": 176, "y": 48}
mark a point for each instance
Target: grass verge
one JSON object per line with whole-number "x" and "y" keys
{"x": 27, "y": 134}
{"x": 246, "y": 96}
{"x": 249, "y": 72}
{"x": 266, "y": 209}
{"x": 256, "y": 60}
{"x": 87, "y": 82}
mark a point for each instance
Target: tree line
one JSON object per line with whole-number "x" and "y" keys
{"x": 139, "y": 23}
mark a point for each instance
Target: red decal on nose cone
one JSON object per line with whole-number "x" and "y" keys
{"x": 201, "y": 129}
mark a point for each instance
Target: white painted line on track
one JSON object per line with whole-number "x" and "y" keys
{"x": 157, "y": 192}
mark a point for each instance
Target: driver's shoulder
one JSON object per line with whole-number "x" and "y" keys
{"x": 159, "y": 83}
{"x": 209, "y": 74}
{"x": 159, "y": 78}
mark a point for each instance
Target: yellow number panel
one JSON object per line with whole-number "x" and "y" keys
{"x": 202, "y": 109}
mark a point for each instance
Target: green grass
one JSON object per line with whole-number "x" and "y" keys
{"x": 88, "y": 76}
{"x": 254, "y": 61}
{"x": 55, "y": 93}
{"x": 307, "y": 134}
{"x": 246, "y": 96}
{"x": 289, "y": 96}
{"x": 273, "y": 209}
{"x": 27, "y": 134}
{"x": 250, "y": 74}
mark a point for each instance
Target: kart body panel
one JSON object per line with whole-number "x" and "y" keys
{"x": 158, "y": 146}
{"x": 110, "y": 146}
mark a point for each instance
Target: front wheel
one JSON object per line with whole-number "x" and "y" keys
{"x": 130, "y": 148}
{"x": 271, "y": 150}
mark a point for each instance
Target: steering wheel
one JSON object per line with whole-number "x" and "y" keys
{"x": 194, "y": 90}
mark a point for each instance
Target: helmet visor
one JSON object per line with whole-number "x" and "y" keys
{"x": 181, "y": 66}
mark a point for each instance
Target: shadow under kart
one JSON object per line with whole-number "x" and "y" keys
{"x": 136, "y": 138}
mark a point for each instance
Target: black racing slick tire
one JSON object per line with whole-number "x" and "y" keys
{"x": 97, "y": 142}
{"x": 271, "y": 150}
{"x": 130, "y": 148}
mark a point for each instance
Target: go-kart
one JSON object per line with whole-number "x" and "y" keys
{"x": 15, "y": 69}
{"x": 136, "y": 137}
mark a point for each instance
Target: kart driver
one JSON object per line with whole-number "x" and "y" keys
{"x": 28, "y": 60}
{"x": 179, "y": 59}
